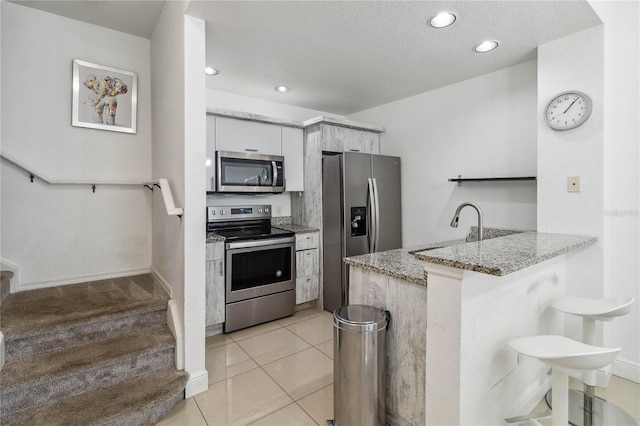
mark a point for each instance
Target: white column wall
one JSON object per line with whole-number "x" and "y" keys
{"x": 195, "y": 204}
{"x": 621, "y": 175}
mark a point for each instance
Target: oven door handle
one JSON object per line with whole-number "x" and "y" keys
{"x": 260, "y": 243}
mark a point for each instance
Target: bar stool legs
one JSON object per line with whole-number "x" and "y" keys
{"x": 565, "y": 356}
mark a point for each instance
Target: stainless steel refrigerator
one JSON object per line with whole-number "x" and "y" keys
{"x": 361, "y": 214}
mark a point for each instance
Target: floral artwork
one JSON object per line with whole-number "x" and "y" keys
{"x": 104, "y": 97}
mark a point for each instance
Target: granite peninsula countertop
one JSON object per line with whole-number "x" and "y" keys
{"x": 500, "y": 255}
{"x": 399, "y": 263}
{"x": 508, "y": 254}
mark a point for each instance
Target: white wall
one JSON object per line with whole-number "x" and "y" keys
{"x": 195, "y": 201}
{"x": 177, "y": 56}
{"x": 573, "y": 63}
{"x": 58, "y": 235}
{"x": 483, "y": 127}
{"x": 621, "y": 175}
{"x": 602, "y": 62}
{"x": 216, "y": 99}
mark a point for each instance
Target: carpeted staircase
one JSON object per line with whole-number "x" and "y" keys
{"x": 97, "y": 353}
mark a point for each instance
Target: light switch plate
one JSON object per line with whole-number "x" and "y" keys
{"x": 573, "y": 184}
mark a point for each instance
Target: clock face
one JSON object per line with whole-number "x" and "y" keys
{"x": 567, "y": 110}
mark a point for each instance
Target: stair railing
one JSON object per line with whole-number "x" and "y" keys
{"x": 161, "y": 183}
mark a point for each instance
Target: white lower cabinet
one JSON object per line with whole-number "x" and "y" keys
{"x": 307, "y": 267}
{"x": 215, "y": 283}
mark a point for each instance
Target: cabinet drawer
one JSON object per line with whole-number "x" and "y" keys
{"x": 307, "y": 289}
{"x": 214, "y": 251}
{"x": 307, "y": 240}
{"x": 307, "y": 263}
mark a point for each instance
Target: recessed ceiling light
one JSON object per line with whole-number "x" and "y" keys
{"x": 282, "y": 89}
{"x": 486, "y": 46}
{"x": 211, "y": 71}
{"x": 443, "y": 19}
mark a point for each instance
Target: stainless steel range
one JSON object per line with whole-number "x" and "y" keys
{"x": 260, "y": 267}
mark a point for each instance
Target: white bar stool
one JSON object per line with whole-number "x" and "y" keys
{"x": 585, "y": 409}
{"x": 565, "y": 356}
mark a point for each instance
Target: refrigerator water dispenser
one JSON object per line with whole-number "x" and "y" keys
{"x": 358, "y": 221}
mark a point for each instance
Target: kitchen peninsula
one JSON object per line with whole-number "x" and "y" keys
{"x": 454, "y": 306}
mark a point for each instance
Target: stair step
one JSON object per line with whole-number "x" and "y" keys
{"x": 45, "y": 378}
{"x": 39, "y": 321}
{"x": 137, "y": 401}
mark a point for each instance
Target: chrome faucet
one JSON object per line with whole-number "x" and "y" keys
{"x": 456, "y": 217}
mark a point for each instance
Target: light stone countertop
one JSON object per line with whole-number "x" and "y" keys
{"x": 501, "y": 253}
{"x": 508, "y": 254}
{"x": 298, "y": 229}
{"x": 399, "y": 263}
{"x": 212, "y": 237}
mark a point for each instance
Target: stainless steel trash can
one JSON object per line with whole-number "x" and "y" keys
{"x": 358, "y": 366}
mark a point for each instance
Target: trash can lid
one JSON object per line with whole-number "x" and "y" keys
{"x": 359, "y": 318}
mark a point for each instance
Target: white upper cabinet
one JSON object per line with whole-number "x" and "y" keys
{"x": 293, "y": 159}
{"x": 248, "y": 136}
{"x": 229, "y": 134}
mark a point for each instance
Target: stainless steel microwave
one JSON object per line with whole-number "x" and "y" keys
{"x": 249, "y": 172}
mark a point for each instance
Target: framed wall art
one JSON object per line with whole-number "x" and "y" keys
{"x": 104, "y": 98}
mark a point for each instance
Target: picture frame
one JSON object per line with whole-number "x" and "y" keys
{"x": 104, "y": 98}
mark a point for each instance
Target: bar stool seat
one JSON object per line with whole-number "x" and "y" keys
{"x": 595, "y": 309}
{"x": 585, "y": 408}
{"x": 565, "y": 356}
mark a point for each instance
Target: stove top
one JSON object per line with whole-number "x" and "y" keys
{"x": 243, "y": 223}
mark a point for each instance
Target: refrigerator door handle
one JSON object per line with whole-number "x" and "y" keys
{"x": 376, "y": 223}
{"x": 371, "y": 202}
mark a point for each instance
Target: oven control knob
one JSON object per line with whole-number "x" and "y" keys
{"x": 278, "y": 273}
{"x": 221, "y": 211}
{"x": 266, "y": 210}
{"x": 259, "y": 210}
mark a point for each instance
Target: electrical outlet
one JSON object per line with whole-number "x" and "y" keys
{"x": 573, "y": 184}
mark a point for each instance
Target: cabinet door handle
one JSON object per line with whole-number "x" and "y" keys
{"x": 251, "y": 150}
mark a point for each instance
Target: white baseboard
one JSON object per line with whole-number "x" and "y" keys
{"x": 531, "y": 398}
{"x": 1, "y": 350}
{"x": 80, "y": 279}
{"x": 626, "y": 369}
{"x": 198, "y": 383}
{"x": 13, "y": 284}
{"x": 165, "y": 285}
{"x": 174, "y": 322}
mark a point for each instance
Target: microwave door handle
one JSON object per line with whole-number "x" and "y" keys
{"x": 275, "y": 173}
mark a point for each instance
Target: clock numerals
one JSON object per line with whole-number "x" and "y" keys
{"x": 568, "y": 110}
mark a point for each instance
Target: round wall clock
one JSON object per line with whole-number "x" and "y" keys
{"x": 568, "y": 110}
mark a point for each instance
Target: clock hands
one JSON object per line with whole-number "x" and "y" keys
{"x": 574, "y": 101}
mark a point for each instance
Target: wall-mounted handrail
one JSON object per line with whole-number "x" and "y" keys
{"x": 167, "y": 196}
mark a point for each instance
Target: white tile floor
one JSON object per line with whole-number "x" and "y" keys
{"x": 281, "y": 373}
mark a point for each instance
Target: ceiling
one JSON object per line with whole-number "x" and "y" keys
{"x": 137, "y": 17}
{"x": 347, "y": 56}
